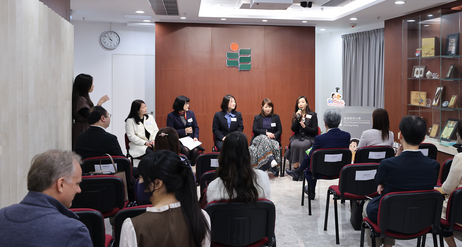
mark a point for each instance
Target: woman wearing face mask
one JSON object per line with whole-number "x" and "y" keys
{"x": 305, "y": 128}
{"x": 226, "y": 121}
{"x": 184, "y": 122}
{"x": 175, "y": 218}
{"x": 264, "y": 146}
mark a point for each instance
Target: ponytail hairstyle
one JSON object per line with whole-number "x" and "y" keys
{"x": 178, "y": 178}
{"x": 235, "y": 170}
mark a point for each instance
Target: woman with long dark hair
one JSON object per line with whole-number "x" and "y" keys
{"x": 184, "y": 122}
{"x": 227, "y": 120}
{"x": 175, "y": 218}
{"x": 81, "y": 104}
{"x": 141, "y": 129}
{"x": 264, "y": 146}
{"x": 305, "y": 128}
{"x": 380, "y": 134}
{"x": 235, "y": 177}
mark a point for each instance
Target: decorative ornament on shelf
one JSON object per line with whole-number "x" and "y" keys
{"x": 428, "y": 102}
{"x": 435, "y": 76}
{"x": 445, "y": 104}
{"x": 429, "y": 74}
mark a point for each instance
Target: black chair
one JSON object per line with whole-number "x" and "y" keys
{"x": 356, "y": 183}
{"x": 428, "y": 150}
{"x": 327, "y": 162}
{"x": 206, "y": 178}
{"x": 406, "y": 215}
{"x": 127, "y": 146}
{"x": 373, "y": 154}
{"x": 242, "y": 224}
{"x": 104, "y": 193}
{"x": 444, "y": 172}
{"x": 123, "y": 164}
{"x": 453, "y": 213}
{"x": 94, "y": 221}
{"x": 206, "y": 162}
{"x": 122, "y": 215}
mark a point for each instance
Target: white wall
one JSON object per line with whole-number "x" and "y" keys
{"x": 91, "y": 58}
{"x": 329, "y": 65}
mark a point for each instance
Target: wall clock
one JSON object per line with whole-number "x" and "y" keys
{"x": 110, "y": 40}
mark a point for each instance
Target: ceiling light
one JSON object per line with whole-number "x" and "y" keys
{"x": 223, "y": 19}
{"x": 139, "y": 12}
{"x": 218, "y": 5}
{"x": 410, "y": 20}
{"x": 430, "y": 15}
{"x": 322, "y": 29}
{"x": 353, "y": 19}
{"x": 400, "y": 2}
{"x": 183, "y": 17}
{"x": 146, "y": 20}
{"x": 264, "y": 20}
{"x": 426, "y": 25}
{"x": 304, "y": 21}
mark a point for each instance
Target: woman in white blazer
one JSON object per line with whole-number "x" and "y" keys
{"x": 141, "y": 129}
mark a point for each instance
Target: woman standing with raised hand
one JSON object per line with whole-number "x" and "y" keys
{"x": 81, "y": 104}
{"x": 227, "y": 120}
{"x": 305, "y": 128}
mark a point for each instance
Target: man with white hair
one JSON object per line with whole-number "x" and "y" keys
{"x": 42, "y": 218}
{"x": 333, "y": 138}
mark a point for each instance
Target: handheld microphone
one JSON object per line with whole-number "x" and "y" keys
{"x": 298, "y": 114}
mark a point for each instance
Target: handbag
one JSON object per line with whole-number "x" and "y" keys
{"x": 120, "y": 174}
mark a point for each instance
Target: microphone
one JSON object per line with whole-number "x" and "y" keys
{"x": 298, "y": 114}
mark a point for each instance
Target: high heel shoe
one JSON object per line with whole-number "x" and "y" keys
{"x": 274, "y": 170}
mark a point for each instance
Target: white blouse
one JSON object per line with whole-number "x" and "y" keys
{"x": 373, "y": 137}
{"x": 128, "y": 234}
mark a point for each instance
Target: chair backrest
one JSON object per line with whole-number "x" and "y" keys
{"x": 127, "y": 142}
{"x": 428, "y": 150}
{"x": 410, "y": 212}
{"x": 445, "y": 171}
{"x": 206, "y": 178}
{"x": 122, "y": 163}
{"x": 206, "y": 162}
{"x": 329, "y": 161}
{"x": 358, "y": 179}
{"x": 373, "y": 154}
{"x": 239, "y": 223}
{"x": 453, "y": 212}
{"x": 104, "y": 193}
{"x": 122, "y": 215}
{"x": 94, "y": 221}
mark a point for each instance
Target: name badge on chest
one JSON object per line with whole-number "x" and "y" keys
{"x": 273, "y": 125}
{"x": 190, "y": 120}
{"x": 148, "y": 123}
{"x": 233, "y": 119}
{"x": 308, "y": 116}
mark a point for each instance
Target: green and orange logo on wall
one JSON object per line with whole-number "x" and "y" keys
{"x": 239, "y": 58}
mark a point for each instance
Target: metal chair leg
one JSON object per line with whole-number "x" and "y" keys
{"x": 283, "y": 166}
{"x": 337, "y": 240}
{"x": 309, "y": 201}
{"x": 327, "y": 209}
{"x": 424, "y": 237}
{"x": 303, "y": 193}
{"x": 361, "y": 243}
{"x": 435, "y": 242}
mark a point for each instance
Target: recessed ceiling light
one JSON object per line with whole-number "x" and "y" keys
{"x": 353, "y": 19}
{"x": 410, "y": 20}
{"x": 426, "y": 25}
{"x": 430, "y": 15}
{"x": 146, "y": 20}
{"x": 400, "y": 2}
{"x": 218, "y": 5}
{"x": 264, "y": 20}
{"x": 223, "y": 19}
{"x": 183, "y": 17}
{"x": 139, "y": 12}
{"x": 304, "y": 21}
{"x": 322, "y": 29}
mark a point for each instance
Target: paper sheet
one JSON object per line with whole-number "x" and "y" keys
{"x": 189, "y": 142}
{"x": 365, "y": 175}
{"x": 106, "y": 168}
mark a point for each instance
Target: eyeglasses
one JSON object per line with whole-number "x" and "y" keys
{"x": 109, "y": 115}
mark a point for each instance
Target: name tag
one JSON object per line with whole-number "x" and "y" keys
{"x": 273, "y": 124}
{"x": 148, "y": 123}
{"x": 233, "y": 119}
{"x": 308, "y": 116}
{"x": 190, "y": 120}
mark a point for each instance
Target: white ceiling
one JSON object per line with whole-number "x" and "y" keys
{"x": 211, "y": 11}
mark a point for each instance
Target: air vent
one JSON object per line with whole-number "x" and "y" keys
{"x": 336, "y": 3}
{"x": 164, "y": 7}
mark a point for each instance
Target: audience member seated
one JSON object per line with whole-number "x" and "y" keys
{"x": 184, "y": 122}
{"x": 380, "y": 134}
{"x": 264, "y": 146}
{"x": 333, "y": 138}
{"x": 452, "y": 182}
{"x": 409, "y": 170}
{"x": 175, "y": 218}
{"x": 226, "y": 121}
{"x": 141, "y": 129}
{"x": 96, "y": 141}
{"x": 305, "y": 128}
{"x": 42, "y": 218}
{"x": 236, "y": 179}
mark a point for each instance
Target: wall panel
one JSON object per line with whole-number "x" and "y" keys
{"x": 190, "y": 60}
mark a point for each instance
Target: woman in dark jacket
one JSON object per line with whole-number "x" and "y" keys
{"x": 227, "y": 120}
